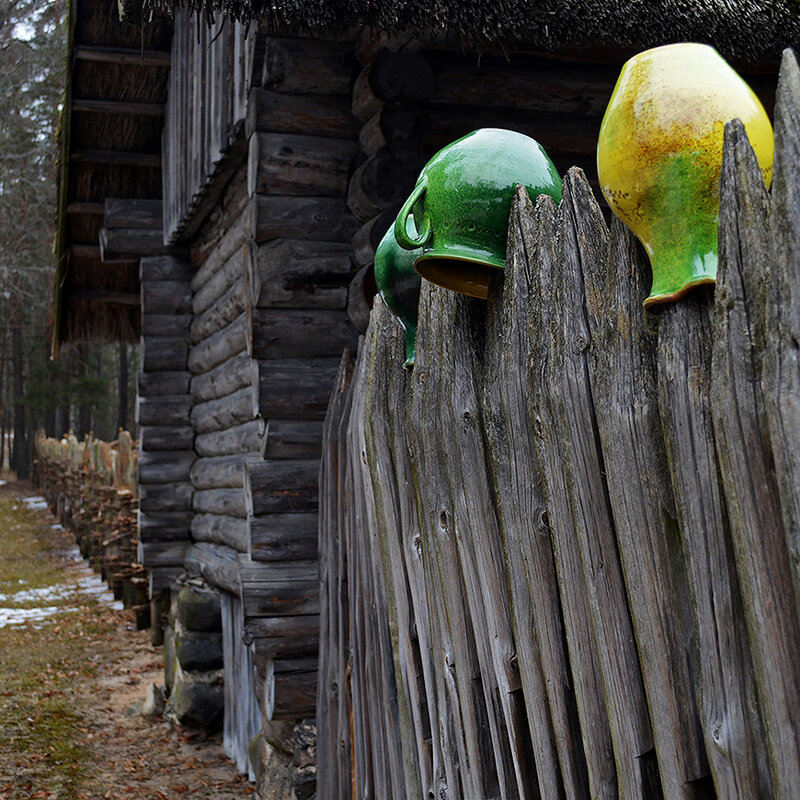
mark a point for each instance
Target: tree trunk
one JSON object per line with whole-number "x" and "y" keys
{"x": 122, "y": 411}
{"x": 20, "y": 457}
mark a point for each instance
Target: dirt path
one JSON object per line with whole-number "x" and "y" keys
{"x": 71, "y": 667}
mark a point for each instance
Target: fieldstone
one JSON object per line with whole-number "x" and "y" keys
{"x": 170, "y": 658}
{"x": 199, "y": 608}
{"x": 257, "y": 754}
{"x": 198, "y": 650}
{"x": 276, "y": 779}
{"x": 153, "y": 703}
{"x": 304, "y": 782}
{"x": 196, "y": 704}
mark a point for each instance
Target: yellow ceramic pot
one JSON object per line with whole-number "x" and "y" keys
{"x": 659, "y": 155}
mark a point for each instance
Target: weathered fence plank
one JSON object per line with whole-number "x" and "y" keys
{"x": 743, "y": 452}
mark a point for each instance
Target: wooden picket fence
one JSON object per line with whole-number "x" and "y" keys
{"x": 92, "y": 490}
{"x": 561, "y": 558}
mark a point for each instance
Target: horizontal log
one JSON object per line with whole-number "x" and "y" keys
{"x": 86, "y": 208}
{"x": 164, "y": 526}
{"x": 162, "y": 579}
{"x": 164, "y": 268}
{"x": 132, "y": 56}
{"x": 245, "y": 438}
{"x": 291, "y": 438}
{"x": 162, "y": 554}
{"x": 279, "y": 589}
{"x": 211, "y": 253}
{"x": 295, "y": 388}
{"x": 225, "y": 412}
{"x": 369, "y": 235}
{"x": 165, "y": 466}
{"x": 166, "y": 297}
{"x": 230, "y": 502}
{"x": 88, "y": 251}
{"x": 325, "y": 219}
{"x": 166, "y": 438}
{"x": 224, "y": 379}
{"x": 278, "y": 112}
{"x": 218, "y": 472}
{"x": 294, "y": 273}
{"x": 218, "y": 564}
{"x": 166, "y": 497}
{"x": 283, "y": 537}
{"x": 103, "y": 296}
{"x": 285, "y": 333}
{"x": 290, "y": 688}
{"x": 165, "y": 411}
{"x": 395, "y": 121}
{"x": 218, "y": 282}
{"x": 118, "y": 107}
{"x": 154, "y": 384}
{"x": 220, "y": 346}
{"x": 299, "y": 165}
{"x": 224, "y": 311}
{"x": 220, "y": 529}
{"x": 282, "y": 637}
{"x": 308, "y": 66}
{"x": 116, "y": 158}
{"x": 385, "y": 178}
{"x": 390, "y": 76}
{"x": 116, "y": 243}
{"x": 132, "y": 213}
{"x": 164, "y": 353}
{"x": 279, "y": 486}
{"x": 166, "y": 325}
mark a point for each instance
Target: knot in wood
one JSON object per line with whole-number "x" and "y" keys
{"x": 580, "y": 343}
{"x": 443, "y": 520}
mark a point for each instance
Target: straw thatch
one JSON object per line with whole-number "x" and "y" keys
{"x": 740, "y": 29}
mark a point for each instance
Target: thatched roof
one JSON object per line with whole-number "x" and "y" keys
{"x": 748, "y": 30}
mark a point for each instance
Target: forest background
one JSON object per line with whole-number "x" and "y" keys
{"x": 91, "y": 387}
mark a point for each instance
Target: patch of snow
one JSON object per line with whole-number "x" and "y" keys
{"x": 19, "y": 616}
{"x": 3, "y": 483}
{"x": 57, "y": 527}
{"x": 35, "y": 503}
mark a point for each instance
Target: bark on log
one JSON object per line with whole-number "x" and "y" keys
{"x": 166, "y": 497}
{"x": 289, "y": 438}
{"x": 224, "y": 311}
{"x": 224, "y": 412}
{"x": 294, "y": 388}
{"x": 324, "y": 219}
{"x": 300, "y": 274}
{"x": 220, "y": 346}
{"x": 219, "y": 565}
{"x": 220, "y": 529}
{"x": 166, "y": 438}
{"x": 224, "y": 379}
{"x": 158, "y": 384}
{"x": 165, "y": 466}
{"x": 282, "y": 537}
{"x": 218, "y": 472}
{"x": 230, "y": 502}
{"x": 167, "y": 410}
{"x": 290, "y": 689}
{"x": 163, "y": 353}
{"x": 244, "y": 438}
{"x": 209, "y": 293}
{"x": 327, "y": 115}
{"x": 294, "y": 165}
{"x": 166, "y": 297}
{"x": 281, "y": 486}
{"x": 288, "y": 334}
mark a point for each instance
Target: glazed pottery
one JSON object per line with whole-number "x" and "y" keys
{"x": 659, "y": 156}
{"x": 462, "y": 201}
{"x": 399, "y": 284}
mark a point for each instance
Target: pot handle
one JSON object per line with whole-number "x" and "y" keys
{"x": 424, "y": 227}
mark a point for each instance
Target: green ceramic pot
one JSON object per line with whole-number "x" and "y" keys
{"x": 462, "y": 201}
{"x": 399, "y": 284}
{"x": 659, "y": 155}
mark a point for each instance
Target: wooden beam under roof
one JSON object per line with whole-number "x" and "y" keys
{"x": 122, "y": 158}
{"x": 123, "y": 55}
{"x": 122, "y": 107}
{"x": 98, "y": 295}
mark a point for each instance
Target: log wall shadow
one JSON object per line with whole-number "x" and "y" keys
{"x": 559, "y": 558}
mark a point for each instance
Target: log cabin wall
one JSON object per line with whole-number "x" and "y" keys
{"x": 271, "y": 269}
{"x": 163, "y": 410}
